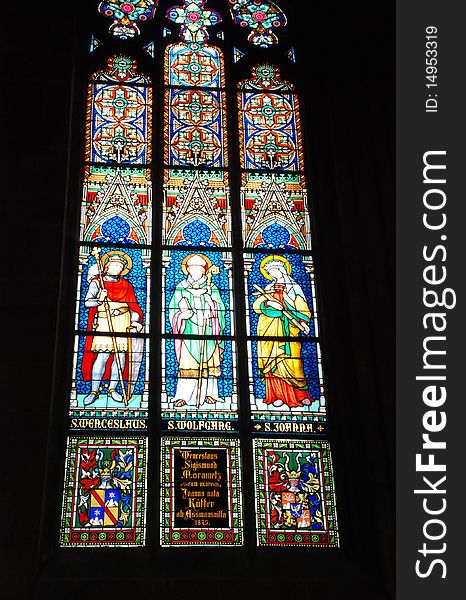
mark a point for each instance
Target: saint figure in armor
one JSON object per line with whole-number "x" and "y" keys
{"x": 113, "y": 308}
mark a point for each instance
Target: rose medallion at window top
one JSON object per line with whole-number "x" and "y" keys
{"x": 126, "y": 14}
{"x": 194, "y": 20}
{"x": 261, "y": 16}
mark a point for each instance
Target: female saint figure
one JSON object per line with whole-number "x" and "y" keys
{"x": 283, "y": 313}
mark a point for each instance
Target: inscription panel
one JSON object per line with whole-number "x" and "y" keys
{"x": 201, "y": 503}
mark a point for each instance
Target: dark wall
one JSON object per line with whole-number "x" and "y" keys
{"x": 347, "y": 83}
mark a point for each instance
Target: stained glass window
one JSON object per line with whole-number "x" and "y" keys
{"x": 293, "y": 478}
{"x": 109, "y": 394}
{"x": 198, "y": 351}
{"x": 159, "y": 343}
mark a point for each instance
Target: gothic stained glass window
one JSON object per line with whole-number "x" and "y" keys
{"x": 104, "y": 501}
{"x": 198, "y": 351}
{"x": 110, "y": 367}
{"x": 293, "y": 486}
{"x": 203, "y": 397}
{"x": 285, "y": 363}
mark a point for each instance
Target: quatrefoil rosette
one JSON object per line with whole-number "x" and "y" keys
{"x": 261, "y": 16}
{"x": 194, "y": 20}
{"x": 126, "y": 14}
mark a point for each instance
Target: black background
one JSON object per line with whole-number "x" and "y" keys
{"x": 346, "y": 77}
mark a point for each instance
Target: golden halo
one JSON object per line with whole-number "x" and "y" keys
{"x": 186, "y": 258}
{"x": 127, "y": 259}
{"x": 274, "y": 258}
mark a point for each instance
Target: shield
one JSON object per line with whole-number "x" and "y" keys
{"x": 135, "y": 354}
{"x": 296, "y": 510}
{"x": 304, "y": 520}
{"x": 100, "y": 512}
{"x": 287, "y": 499}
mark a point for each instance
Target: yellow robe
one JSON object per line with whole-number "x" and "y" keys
{"x": 277, "y": 358}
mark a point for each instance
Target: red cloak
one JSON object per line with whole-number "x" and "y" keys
{"x": 118, "y": 291}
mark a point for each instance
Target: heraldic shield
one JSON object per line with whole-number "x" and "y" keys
{"x": 104, "y": 504}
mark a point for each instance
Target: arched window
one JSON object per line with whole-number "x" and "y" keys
{"x": 197, "y": 366}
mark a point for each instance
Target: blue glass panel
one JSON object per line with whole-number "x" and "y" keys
{"x": 197, "y": 233}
